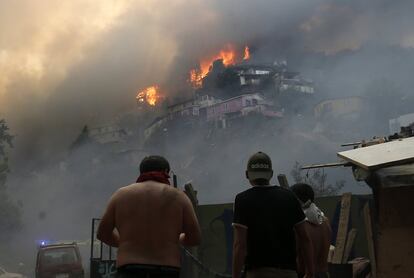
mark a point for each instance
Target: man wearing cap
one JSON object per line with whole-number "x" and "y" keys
{"x": 265, "y": 221}
{"x": 147, "y": 221}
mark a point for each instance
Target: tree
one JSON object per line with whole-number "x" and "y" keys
{"x": 318, "y": 181}
{"x": 5, "y": 139}
{"x": 82, "y": 139}
{"x": 10, "y": 213}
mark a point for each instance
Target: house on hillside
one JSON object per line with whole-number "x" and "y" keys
{"x": 204, "y": 101}
{"x": 187, "y": 108}
{"x": 348, "y": 107}
{"x": 292, "y": 82}
{"x": 108, "y": 134}
{"x": 284, "y": 81}
{"x": 402, "y": 121}
{"x": 253, "y": 75}
{"x": 241, "y": 106}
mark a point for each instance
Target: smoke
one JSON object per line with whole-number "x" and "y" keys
{"x": 64, "y": 65}
{"x": 80, "y": 62}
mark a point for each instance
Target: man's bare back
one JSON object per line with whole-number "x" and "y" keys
{"x": 150, "y": 217}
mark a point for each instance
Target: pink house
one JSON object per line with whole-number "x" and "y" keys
{"x": 239, "y": 106}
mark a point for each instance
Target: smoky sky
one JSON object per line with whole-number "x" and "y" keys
{"x": 64, "y": 66}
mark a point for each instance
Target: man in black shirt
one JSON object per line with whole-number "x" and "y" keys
{"x": 265, "y": 220}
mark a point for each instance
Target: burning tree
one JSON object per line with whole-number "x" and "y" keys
{"x": 10, "y": 213}
{"x": 318, "y": 181}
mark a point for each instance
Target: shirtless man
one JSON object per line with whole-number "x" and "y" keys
{"x": 318, "y": 229}
{"x": 148, "y": 221}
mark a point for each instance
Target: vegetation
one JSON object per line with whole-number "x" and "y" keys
{"x": 82, "y": 138}
{"x": 318, "y": 179}
{"x": 10, "y": 213}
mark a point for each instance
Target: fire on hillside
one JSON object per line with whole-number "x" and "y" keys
{"x": 150, "y": 95}
{"x": 228, "y": 54}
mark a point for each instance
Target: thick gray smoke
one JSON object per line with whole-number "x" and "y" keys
{"x": 68, "y": 72}
{"x": 160, "y": 42}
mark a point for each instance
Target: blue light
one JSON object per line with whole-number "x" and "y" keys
{"x": 42, "y": 242}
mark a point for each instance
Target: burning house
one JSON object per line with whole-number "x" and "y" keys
{"x": 253, "y": 75}
{"x": 276, "y": 76}
{"x": 227, "y": 85}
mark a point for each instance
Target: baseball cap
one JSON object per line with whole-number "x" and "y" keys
{"x": 259, "y": 166}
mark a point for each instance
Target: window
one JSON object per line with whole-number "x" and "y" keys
{"x": 255, "y": 102}
{"x": 58, "y": 256}
{"x": 248, "y": 103}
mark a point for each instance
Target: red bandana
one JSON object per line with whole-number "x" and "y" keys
{"x": 157, "y": 176}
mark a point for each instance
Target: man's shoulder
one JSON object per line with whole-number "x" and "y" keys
{"x": 287, "y": 194}
{"x": 156, "y": 190}
{"x": 272, "y": 189}
{"x": 244, "y": 194}
{"x": 326, "y": 223}
{"x": 286, "y": 191}
{"x": 125, "y": 189}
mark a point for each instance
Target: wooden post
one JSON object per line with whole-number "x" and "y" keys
{"x": 283, "y": 182}
{"x": 370, "y": 240}
{"x": 192, "y": 195}
{"x": 349, "y": 244}
{"x": 342, "y": 228}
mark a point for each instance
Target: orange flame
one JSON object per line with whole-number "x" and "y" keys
{"x": 246, "y": 53}
{"x": 228, "y": 55}
{"x": 149, "y": 95}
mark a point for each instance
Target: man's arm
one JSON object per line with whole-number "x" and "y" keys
{"x": 239, "y": 249}
{"x": 107, "y": 232}
{"x": 191, "y": 235}
{"x": 306, "y": 248}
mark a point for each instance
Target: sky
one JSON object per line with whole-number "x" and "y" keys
{"x": 64, "y": 64}
{"x": 82, "y": 61}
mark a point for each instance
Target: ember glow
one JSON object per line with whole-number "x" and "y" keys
{"x": 227, "y": 54}
{"x": 246, "y": 53}
{"x": 149, "y": 95}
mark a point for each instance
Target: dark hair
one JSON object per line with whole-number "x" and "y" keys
{"x": 154, "y": 163}
{"x": 304, "y": 192}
